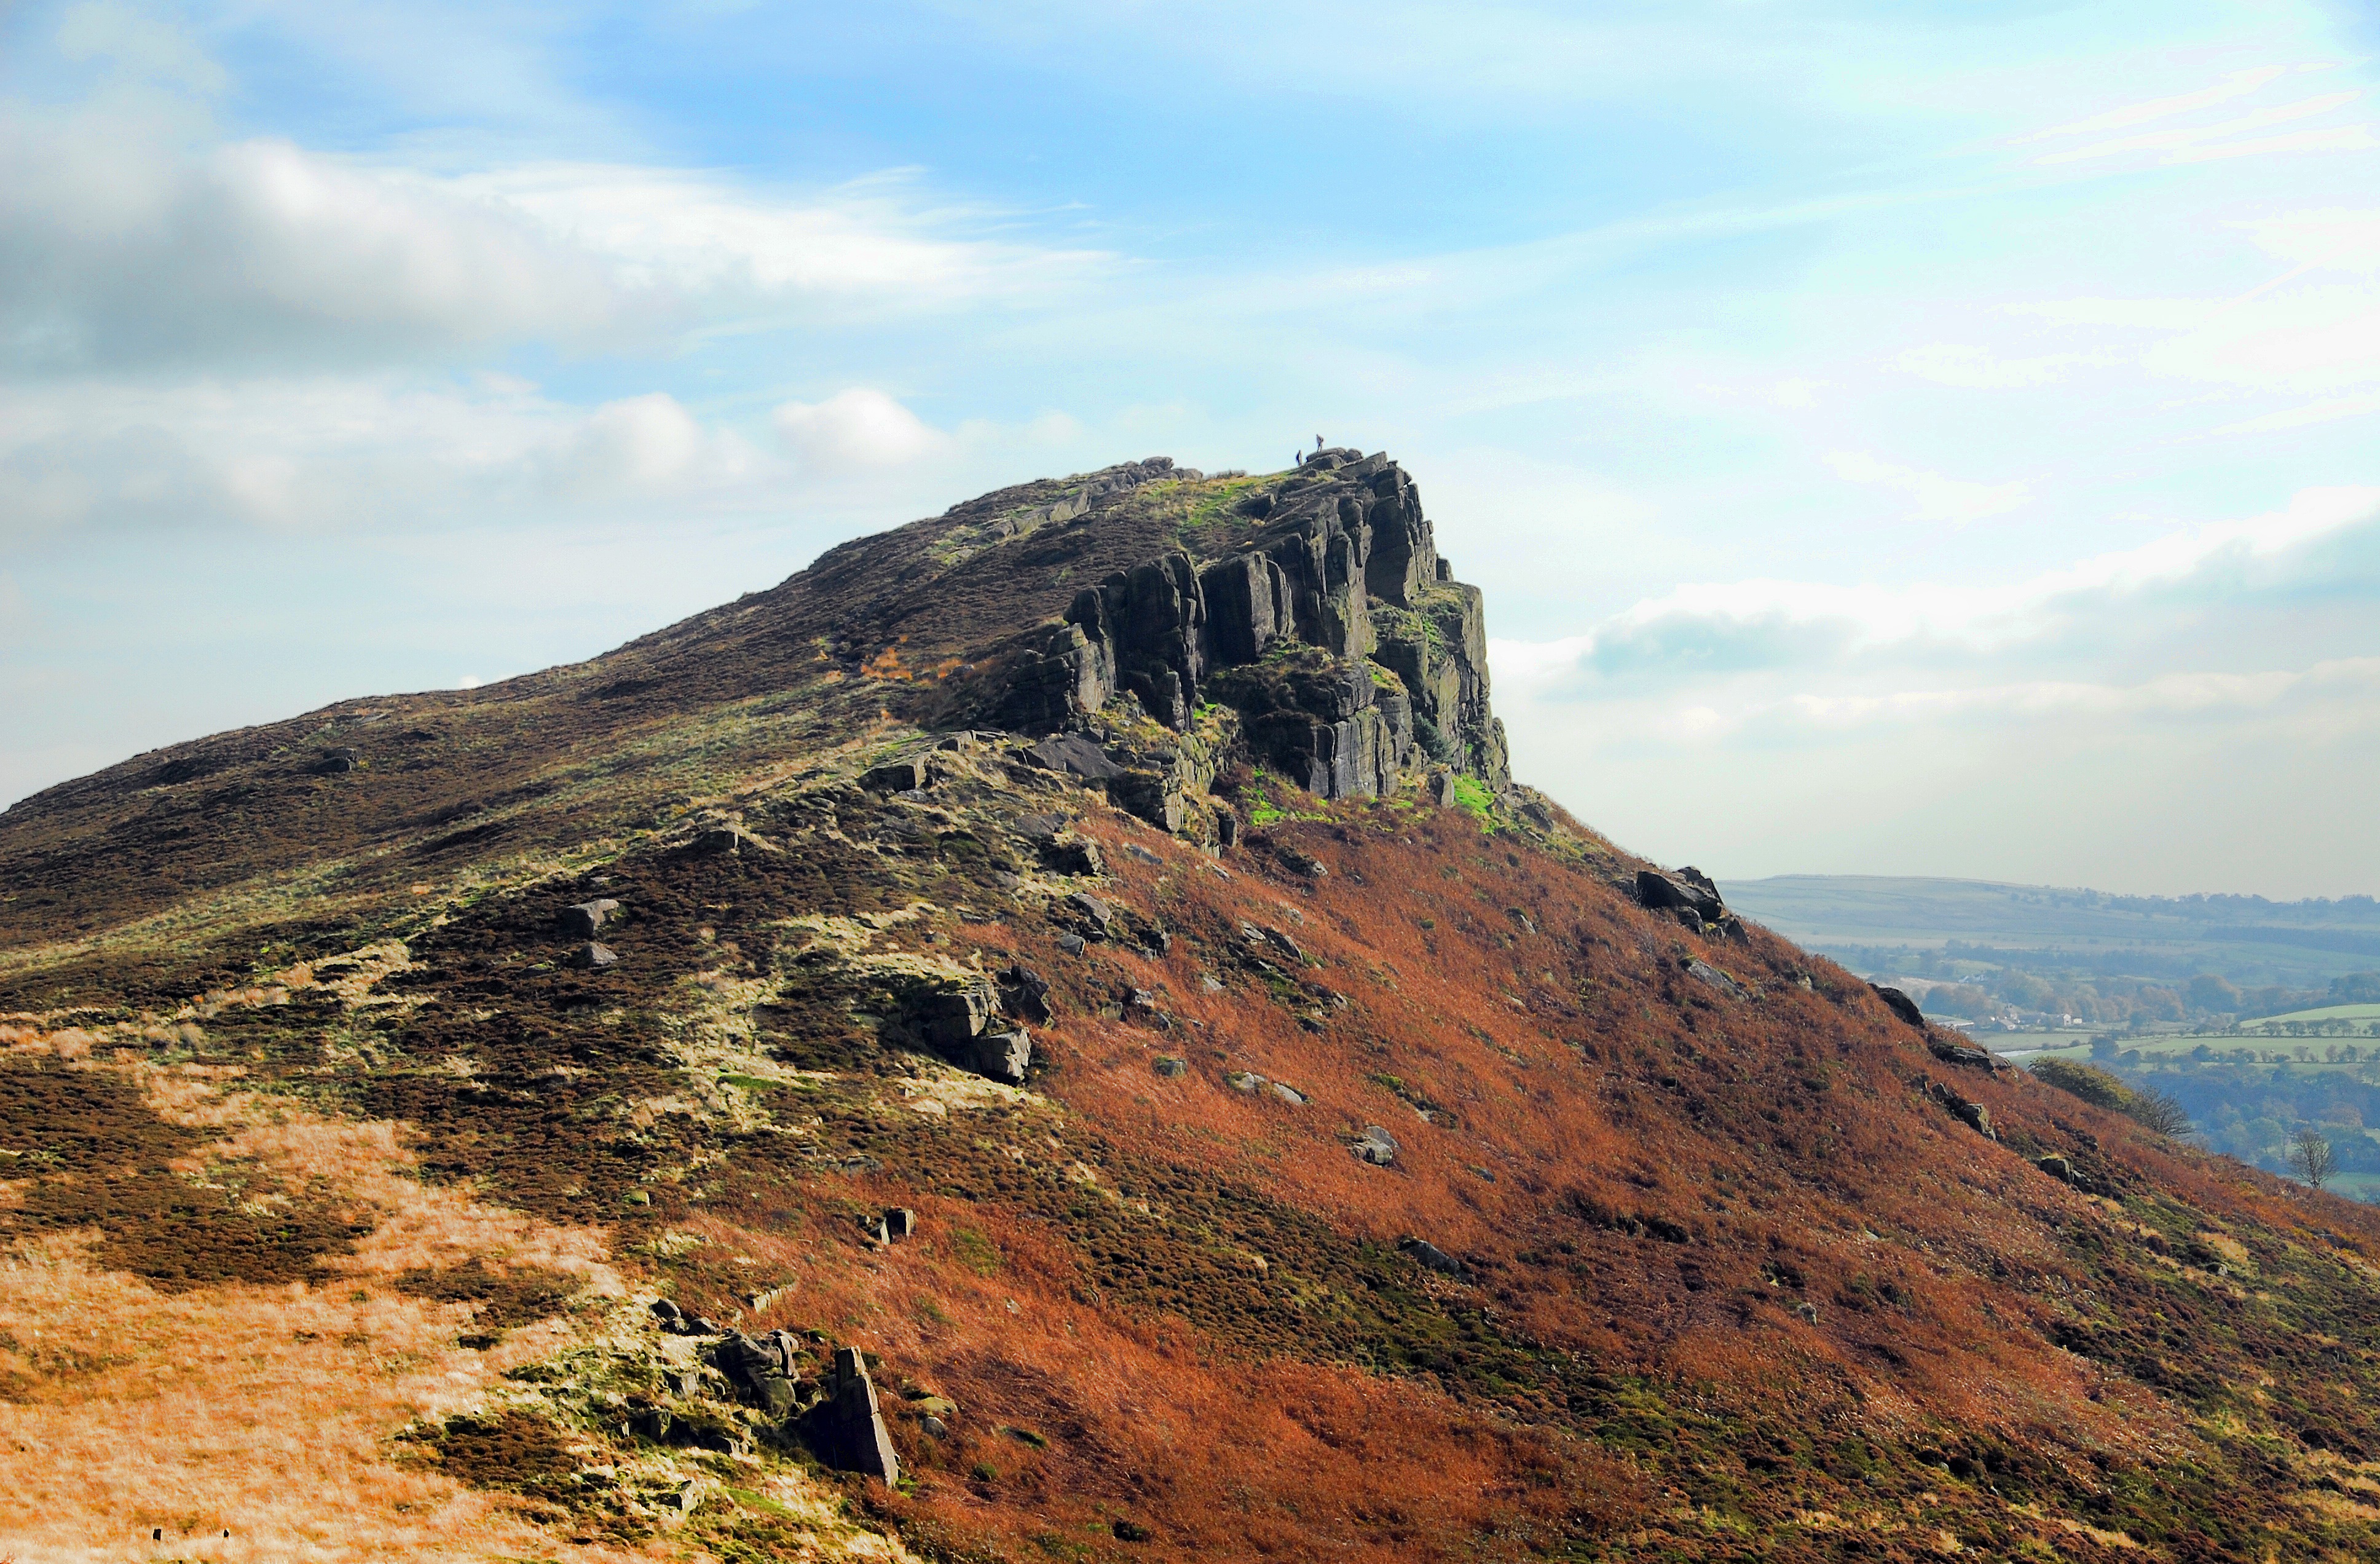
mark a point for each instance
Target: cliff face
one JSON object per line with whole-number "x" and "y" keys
{"x": 1051, "y": 1034}
{"x": 1333, "y": 632}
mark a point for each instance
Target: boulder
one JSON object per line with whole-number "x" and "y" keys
{"x": 585, "y": 920}
{"x": 1073, "y": 754}
{"x": 1901, "y": 1005}
{"x": 1243, "y": 1080}
{"x": 2056, "y": 1166}
{"x": 718, "y": 840}
{"x": 1003, "y": 1055}
{"x": 1376, "y": 1146}
{"x": 903, "y": 776}
{"x": 1705, "y": 972}
{"x": 1953, "y": 1052}
{"x": 1289, "y": 1094}
{"x": 1977, "y": 1117}
{"x": 1429, "y": 1256}
{"x": 1025, "y": 994}
{"x": 900, "y": 1223}
{"x": 1659, "y": 891}
{"x": 845, "y": 1430}
{"x": 592, "y": 957}
{"x": 1096, "y": 913}
{"x": 1227, "y": 827}
{"x": 1073, "y": 855}
{"x": 1171, "y": 1068}
{"x": 758, "y": 1371}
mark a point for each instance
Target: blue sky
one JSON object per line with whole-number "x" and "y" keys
{"x": 1894, "y": 438}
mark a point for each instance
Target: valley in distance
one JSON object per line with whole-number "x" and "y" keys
{"x": 1053, "y": 1034}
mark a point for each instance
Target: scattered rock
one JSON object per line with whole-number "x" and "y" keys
{"x": 336, "y": 763}
{"x": 905, "y": 776}
{"x": 1209, "y": 984}
{"x": 1978, "y": 1116}
{"x": 1283, "y": 944}
{"x": 719, "y": 839}
{"x": 1901, "y": 1005}
{"x": 1376, "y": 1146}
{"x": 760, "y": 1371}
{"x": 593, "y": 957}
{"x": 586, "y": 919}
{"x": 1135, "y": 850}
{"x": 1659, "y": 891}
{"x": 934, "y": 1426}
{"x": 1227, "y": 828}
{"x": 1243, "y": 1080}
{"x": 1038, "y": 827}
{"x": 1957, "y": 1053}
{"x": 1289, "y": 1094}
{"x": 1025, "y": 994}
{"x": 900, "y": 1223}
{"x": 1131, "y": 1531}
{"x": 1073, "y": 754}
{"x": 1439, "y": 789}
{"x": 1075, "y": 856}
{"x": 1171, "y": 1068}
{"x": 2056, "y": 1166}
{"x": 1716, "y": 979}
{"x": 1429, "y": 1256}
{"x": 672, "y": 1318}
{"x": 1003, "y": 1056}
{"x": 1098, "y": 912}
{"x": 845, "y": 1430}
{"x": 1071, "y": 944}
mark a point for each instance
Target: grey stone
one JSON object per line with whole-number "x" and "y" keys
{"x": 585, "y": 920}
{"x": 900, "y": 1223}
{"x": 1171, "y": 1068}
{"x": 2056, "y": 1166}
{"x": 1289, "y": 1094}
{"x": 1970, "y": 1059}
{"x": 1227, "y": 828}
{"x": 593, "y": 958}
{"x": 1283, "y": 944}
{"x": 903, "y": 776}
{"x": 1659, "y": 891}
{"x": 1135, "y": 850}
{"x": 1003, "y": 1056}
{"x": 847, "y": 1430}
{"x": 1977, "y": 1117}
{"x": 1376, "y": 1146}
{"x": 1901, "y": 1005}
{"x": 718, "y": 840}
{"x": 1705, "y": 972}
{"x": 1071, "y": 944}
{"x": 1430, "y": 1256}
{"x": 1025, "y": 994}
{"x": 1074, "y": 755}
{"x": 1089, "y": 906}
{"x": 1243, "y": 1080}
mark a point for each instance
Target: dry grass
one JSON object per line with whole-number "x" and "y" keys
{"x": 266, "y": 1412}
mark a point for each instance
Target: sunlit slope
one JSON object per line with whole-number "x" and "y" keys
{"x": 1390, "y": 1180}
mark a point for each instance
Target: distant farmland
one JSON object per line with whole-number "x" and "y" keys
{"x": 1878, "y": 922}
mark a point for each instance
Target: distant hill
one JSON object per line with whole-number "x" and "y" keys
{"x": 1874, "y": 921}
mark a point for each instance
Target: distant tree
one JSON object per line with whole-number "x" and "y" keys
{"x": 2160, "y": 1111}
{"x": 2213, "y": 994}
{"x": 2356, "y": 988}
{"x": 2311, "y": 1159}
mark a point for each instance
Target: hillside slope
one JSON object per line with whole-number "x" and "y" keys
{"x": 1083, "y": 955}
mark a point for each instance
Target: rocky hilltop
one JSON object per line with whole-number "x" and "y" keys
{"x": 1053, "y": 1034}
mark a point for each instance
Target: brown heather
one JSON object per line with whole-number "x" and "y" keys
{"x": 299, "y": 1098}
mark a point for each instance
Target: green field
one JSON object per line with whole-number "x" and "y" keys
{"x": 2326, "y": 1013}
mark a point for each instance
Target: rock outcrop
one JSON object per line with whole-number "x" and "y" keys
{"x": 1335, "y": 632}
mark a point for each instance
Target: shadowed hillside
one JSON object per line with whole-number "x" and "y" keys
{"x": 1073, "y": 977}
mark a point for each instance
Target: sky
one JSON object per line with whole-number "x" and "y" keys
{"x": 1894, "y": 438}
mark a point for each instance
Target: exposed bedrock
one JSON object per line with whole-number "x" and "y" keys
{"x": 1334, "y": 630}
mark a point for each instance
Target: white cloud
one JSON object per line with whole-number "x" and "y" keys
{"x": 279, "y": 254}
{"x": 1935, "y": 498}
{"x": 857, "y": 429}
{"x": 1717, "y": 629}
{"x": 142, "y": 46}
{"x": 2238, "y": 84}
{"x": 2224, "y": 138}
